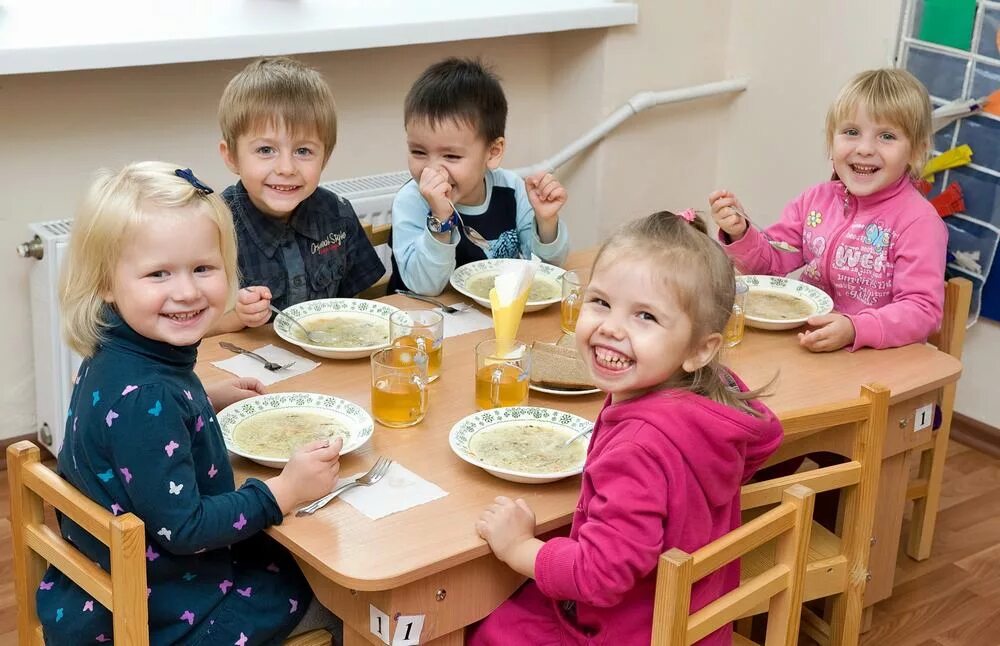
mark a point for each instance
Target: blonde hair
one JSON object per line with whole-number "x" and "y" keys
{"x": 279, "y": 91}
{"x": 116, "y": 202}
{"x": 891, "y": 96}
{"x": 704, "y": 282}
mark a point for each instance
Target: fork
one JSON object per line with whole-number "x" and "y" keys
{"x": 450, "y": 309}
{"x": 378, "y": 470}
{"x": 268, "y": 365}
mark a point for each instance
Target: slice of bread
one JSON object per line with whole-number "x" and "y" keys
{"x": 558, "y": 366}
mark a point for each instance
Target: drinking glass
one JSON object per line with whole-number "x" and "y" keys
{"x": 502, "y": 374}
{"x": 733, "y": 333}
{"x": 422, "y": 330}
{"x": 399, "y": 387}
{"x": 573, "y": 283}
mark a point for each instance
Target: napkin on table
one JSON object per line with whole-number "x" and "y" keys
{"x": 399, "y": 489}
{"x": 243, "y": 366}
{"x": 464, "y": 322}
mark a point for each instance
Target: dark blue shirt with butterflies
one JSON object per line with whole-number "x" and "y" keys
{"x": 141, "y": 437}
{"x": 321, "y": 251}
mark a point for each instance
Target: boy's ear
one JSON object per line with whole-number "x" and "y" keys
{"x": 702, "y": 353}
{"x": 229, "y": 157}
{"x": 494, "y": 153}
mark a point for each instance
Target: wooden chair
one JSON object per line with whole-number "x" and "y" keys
{"x": 36, "y": 545}
{"x": 780, "y": 586}
{"x": 378, "y": 236}
{"x": 838, "y": 561}
{"x": 925, "y": 490}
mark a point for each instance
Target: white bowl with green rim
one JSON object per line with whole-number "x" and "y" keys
{"x": 365, "y": 324}
{"x": 352, "y": 422}
{"x": 468, "y": 432}
{"x": 475, "y": 279}
{"x": 818, "y": 301}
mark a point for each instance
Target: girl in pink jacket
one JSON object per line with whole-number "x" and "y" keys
{"x": 676, "y": 438}
{"x": 868, "y": 238}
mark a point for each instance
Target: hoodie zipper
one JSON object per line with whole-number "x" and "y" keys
{"x": 832, "y": 247}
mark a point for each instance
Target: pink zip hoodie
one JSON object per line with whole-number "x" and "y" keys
{"x": 663, "y": 470}
{"x": 880, "y": 257}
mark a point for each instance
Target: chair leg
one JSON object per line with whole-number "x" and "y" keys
{"x": 925, "y": 509}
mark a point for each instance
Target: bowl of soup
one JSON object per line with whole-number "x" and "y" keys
{"x": 777, "y": 303}
{"x": 522, "y": 443}
{"x": 269, "y": 428}
{"x": 355, "y": 326}
{"x": 475, "y": 280}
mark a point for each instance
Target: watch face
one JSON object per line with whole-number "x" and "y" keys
{"x": 436, "y": 226}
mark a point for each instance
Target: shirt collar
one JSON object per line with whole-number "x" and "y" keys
{"x": 119, "y": 335}
{"x": 269, "y": 233}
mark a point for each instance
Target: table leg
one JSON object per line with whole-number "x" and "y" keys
{"x": 888, "y": 523}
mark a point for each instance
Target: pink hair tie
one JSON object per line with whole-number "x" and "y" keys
{"x": 688, "y": 215}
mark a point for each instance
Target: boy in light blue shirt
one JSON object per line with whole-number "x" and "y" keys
{"x": 460, "y": 205}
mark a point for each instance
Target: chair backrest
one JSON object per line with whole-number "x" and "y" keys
{"x": 35, "y": 545}
{"x": 854, "y": 429}
{"x": 957, "y": 298}
{"x": 780, "y": 586}
{"x": 378, "y": 235}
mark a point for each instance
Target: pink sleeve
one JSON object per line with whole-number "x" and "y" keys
{"x": 753, "y": 255}
{"x": 917, "y": 290}
{"x": 621, "y": 540}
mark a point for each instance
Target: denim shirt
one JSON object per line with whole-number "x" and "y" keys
{"x": 321, "y": 251}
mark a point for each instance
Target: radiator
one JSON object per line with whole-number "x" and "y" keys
{"x": 56, "y": 364}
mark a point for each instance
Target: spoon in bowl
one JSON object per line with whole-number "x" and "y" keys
{"x": 578, "y": 436}
{"x": 318, "y": 336}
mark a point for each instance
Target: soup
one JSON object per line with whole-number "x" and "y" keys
{"x": 277, "y": 433}
{"x": 347, "y": 330}
{"x": 777, "y": 306}
{"x": 528, "y": 447}
{"x": 542, "y": 289}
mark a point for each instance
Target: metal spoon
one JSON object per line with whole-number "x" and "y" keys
{"x": 780, "y": 245}
{"x": 318, "y": 337}
{"x": 473, "y": 235}
{"x": 578, "y": 436}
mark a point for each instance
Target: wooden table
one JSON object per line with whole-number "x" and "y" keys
{"x": 428, "y": 561}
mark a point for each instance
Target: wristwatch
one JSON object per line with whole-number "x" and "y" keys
{"x": 437, "y": 226}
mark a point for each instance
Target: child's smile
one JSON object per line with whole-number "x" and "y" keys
{"x": 869, "y": 156}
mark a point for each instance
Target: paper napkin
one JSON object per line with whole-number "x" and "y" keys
{"x": 243, "y": 366}
{"x": 399, "y": 489}
{"x": 464, "y": 322}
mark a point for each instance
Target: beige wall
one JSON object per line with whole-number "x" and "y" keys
{"x": 766, "y": 144}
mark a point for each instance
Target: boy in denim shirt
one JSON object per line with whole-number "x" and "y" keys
{"x": 455, "y": 116}
{"x": 296, "y": 243}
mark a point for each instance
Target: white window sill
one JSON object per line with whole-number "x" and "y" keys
{"x": 49, "y": 36}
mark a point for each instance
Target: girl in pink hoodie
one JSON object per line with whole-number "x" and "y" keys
{"x": 676, "y": 438}
{"x": 868, "y": 238}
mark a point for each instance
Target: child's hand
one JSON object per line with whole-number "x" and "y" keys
{"x": 833, "y": 331}
{"x": 726, "y": 216}
{"x": 311, "y": 472}
{"x": 506, "y": 525}
{"x": 233, "y": 390}
{"x": 435, "y": 186}
{"x": 546, "y": 195}
{"x": 252, "y": 305}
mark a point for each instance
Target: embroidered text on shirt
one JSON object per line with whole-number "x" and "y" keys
{"x": 330, "y": 243}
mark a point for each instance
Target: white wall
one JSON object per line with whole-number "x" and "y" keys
{"x": 767, "y": 144}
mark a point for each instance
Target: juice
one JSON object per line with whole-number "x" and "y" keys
{"x": 733, "y": 333}
{"x": 397, "y": 401}
{"x": 569, "y": 311}
{"x": 511, "y": 389}
{"x": 425, "y": 343}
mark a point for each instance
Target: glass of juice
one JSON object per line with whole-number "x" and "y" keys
{"x": 422, "y": 330}
{"x": 399, "y": 386}
{"x": 502, "y": 374}
{"x": 573, "y": 283}
{"x": 733, "y": 333}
